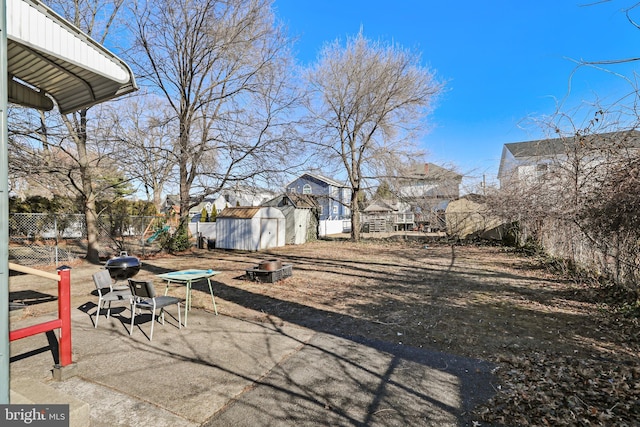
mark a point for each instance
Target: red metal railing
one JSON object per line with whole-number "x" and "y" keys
{"x": 63, "y": 322}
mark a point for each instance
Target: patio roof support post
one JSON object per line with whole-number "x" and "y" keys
{"x": 64, "y": 314}
{"x": 4, "y": 213}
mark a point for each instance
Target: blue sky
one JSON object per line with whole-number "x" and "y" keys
{"x": 503, "y": 61}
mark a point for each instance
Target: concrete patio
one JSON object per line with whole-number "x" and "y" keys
{"x": 225, "y": 371}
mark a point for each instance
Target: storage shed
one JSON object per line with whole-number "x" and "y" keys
{"x": 301, "y": 216}
{"x": 469, "y": 217}
{"x": 250, "y": 228}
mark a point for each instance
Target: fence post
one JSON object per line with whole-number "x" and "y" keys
{"x": 64, "y": 314}
{"x": 55, "y": 233}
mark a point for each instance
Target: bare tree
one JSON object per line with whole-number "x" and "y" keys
{"x": 144, "y": 130}
{"x": 94, "y": 17}
{"x": 370, "y": 101}
{"x": 223, "y": 68}
{"x": 45, "y": 157}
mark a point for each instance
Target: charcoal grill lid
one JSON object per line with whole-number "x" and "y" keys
{"x": 123, "y": 262}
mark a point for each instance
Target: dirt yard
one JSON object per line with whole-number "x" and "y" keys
{"x": 564, "y": 356}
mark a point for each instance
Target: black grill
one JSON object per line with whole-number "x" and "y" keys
{"x": 123, "y": 267}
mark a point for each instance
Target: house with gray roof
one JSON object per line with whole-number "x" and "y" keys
{"x": 532, "y": 160}
{"x": 428, "y": 188}
{"x": 332, "y": 197}
{"x": 430, "y": 181}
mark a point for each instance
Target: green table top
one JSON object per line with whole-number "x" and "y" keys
{"x": 187, "y": 275}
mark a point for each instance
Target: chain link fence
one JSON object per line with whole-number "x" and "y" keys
{"x": 52, "y": 239}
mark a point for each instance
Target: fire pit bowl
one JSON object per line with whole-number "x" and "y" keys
{"x": 123, "y": 267}
{"x": 270, "y": 265}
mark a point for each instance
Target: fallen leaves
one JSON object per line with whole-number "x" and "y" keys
{"x": 543, "y": 388}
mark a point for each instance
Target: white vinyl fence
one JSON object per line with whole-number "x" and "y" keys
{"x": 203, "y": 229}
{"x": 333, "y": 226}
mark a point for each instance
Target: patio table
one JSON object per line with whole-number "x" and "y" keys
{"x": 187, "y": 277}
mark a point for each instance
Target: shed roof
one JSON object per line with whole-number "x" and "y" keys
{"x": 239, "y": 212}
{"x": 302, "y": 201}
{"x": 48, "y": 55}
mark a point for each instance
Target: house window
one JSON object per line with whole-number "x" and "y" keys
{"x": 335, "y": 209}
{"x": 306, "y": 189}
{"x": 321, "y": 210}
{"x": 541, "y": 169}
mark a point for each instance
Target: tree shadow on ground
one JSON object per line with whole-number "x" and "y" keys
{"x": 474, "y": 376}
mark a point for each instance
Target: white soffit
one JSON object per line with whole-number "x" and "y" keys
{"x": 55, "y": 58}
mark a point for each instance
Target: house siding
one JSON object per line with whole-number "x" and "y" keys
{"x": 333, "y": 199}
{"x": 519, "y": 159}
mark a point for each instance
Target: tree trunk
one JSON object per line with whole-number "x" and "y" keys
{"x": 185, "y": 183}
{"x": 157, "y": 200}
{"x": 88, "y": 194}
{"x": 91, "y": 220}
{"x": 355, "y": 215}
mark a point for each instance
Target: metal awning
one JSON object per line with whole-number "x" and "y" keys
{"x": 48, "y": 55}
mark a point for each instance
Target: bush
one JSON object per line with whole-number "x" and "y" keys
{"x": 176, "y": 242}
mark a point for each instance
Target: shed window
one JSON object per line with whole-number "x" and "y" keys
{"x": 306, "y": 189}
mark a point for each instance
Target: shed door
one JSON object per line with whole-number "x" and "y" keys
{"x": 268, "y": 233}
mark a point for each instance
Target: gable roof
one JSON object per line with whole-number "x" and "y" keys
{"x": 556, "y": 146}
{"x": 320, "y": 178}
{"x": 293, "y": 200}
{"x": 551, "y": 148}
{"x": 172, "y": 199}
{"x": 431, "y": 171}
{"x": 382, "y": 205}
{"x": 302, "y": 201}
{"x": 539, "y": 148}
